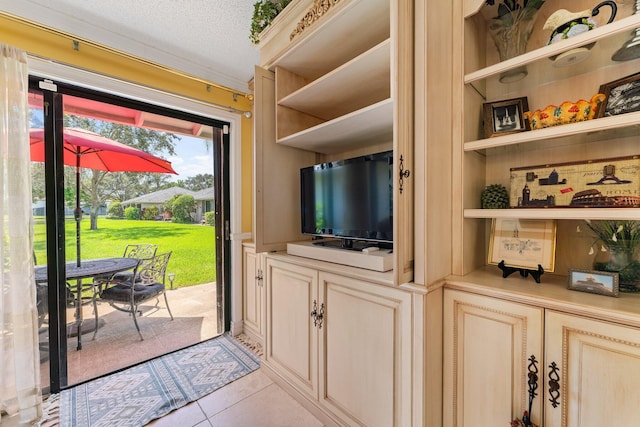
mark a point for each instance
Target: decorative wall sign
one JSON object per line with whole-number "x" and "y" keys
{"x": 599, "y": 183}
{"x": 523, "y": 243}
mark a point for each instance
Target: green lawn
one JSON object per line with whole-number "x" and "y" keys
{"x": 193, "y": 245}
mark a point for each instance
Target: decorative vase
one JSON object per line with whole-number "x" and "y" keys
{"x": 510, "y": 31}
{"x": 620, "y": 260}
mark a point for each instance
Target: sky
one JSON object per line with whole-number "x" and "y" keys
{"x": 192, "y": 158}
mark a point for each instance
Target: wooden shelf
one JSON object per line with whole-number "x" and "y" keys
{"x": 367, "y": 126}
{"x": 551, "y": 293}
{"x": 362, "y": 81}
{"x": 605, "y": 128}
{"x": 609, "y": 38}
{"x": 556, "y": 213}
{"x": 337, "y": 38}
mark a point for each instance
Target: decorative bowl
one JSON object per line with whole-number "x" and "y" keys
{"x": 567, "y": 112}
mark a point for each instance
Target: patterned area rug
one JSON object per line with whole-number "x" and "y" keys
{"x": 137, "y": 395}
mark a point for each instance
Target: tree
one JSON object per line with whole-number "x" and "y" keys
{"x": 182, "y": 208}
{"x": 37, "y": 181}
{"x": 116, "y": 210}
{"x": 198, "y": 182}
{"x": 100, "y": 186}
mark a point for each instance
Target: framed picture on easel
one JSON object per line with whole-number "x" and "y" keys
{"x": 523, "y": 243}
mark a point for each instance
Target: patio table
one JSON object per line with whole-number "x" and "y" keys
{"x": 87, "y": 269}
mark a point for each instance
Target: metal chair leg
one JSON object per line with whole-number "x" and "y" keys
{"x": 166, "y": 302}
{"x": 95, "y": 311}
{"x": 135, "y": 320}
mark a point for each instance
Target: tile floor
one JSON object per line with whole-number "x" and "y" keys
{"x": 251, "y": 401}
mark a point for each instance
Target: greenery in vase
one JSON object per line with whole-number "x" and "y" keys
{"x": 264, "y": 11}
{"x": 621, "y": 239}
{"x": 623, "y": 235}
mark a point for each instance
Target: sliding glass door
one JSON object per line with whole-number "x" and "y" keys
{"x": 94, "y": 206}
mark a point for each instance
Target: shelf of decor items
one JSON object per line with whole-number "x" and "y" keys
{"x": 574, "y": 133}
{"x": 607, "y": 38}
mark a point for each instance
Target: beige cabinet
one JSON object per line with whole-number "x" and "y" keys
{"x": 291, "y": 340}
{"x": 330, "y": 93}
{"x": 586, "y": 377}
{"x": 343, "y": 343}
{"x": 598, "y": 372}
{"x": 487, "y": 346}
{"x": 253, "y": 293}
{"x": 365, "y": 352}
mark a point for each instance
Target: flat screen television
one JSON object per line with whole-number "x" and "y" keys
{"x": 349, "y": 199}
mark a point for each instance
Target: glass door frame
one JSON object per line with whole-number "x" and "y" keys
{"x": 53, "y": 93}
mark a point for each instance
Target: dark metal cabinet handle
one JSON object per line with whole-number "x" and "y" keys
{"x": 314, "y": 313}
{"x": 554, "y": 385}
{"x": 404, "y": 173}
{"x": 320, "y": 316}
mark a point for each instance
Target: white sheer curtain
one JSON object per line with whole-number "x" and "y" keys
{"x": 19, "y": 356}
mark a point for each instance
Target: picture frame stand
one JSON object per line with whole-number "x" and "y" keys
{"x": 507, "y": 271}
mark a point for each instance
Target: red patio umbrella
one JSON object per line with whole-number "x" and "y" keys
{"x": 86, "y": 149}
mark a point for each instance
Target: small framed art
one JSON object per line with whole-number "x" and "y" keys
{"x": 595, "y": 282}
{"x": 622, "y": 96}
{"x": 505, "y": 117}
{"x": 523, "y": 243}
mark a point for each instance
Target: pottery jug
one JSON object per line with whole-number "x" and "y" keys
{"x": 565, "y": 24}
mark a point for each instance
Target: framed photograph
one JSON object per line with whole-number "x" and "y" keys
{"x": 596, "y": 282}
{"x": 622, "y": 96}
{"x": 505, "y": 117}
{"x": 523, "y": 243}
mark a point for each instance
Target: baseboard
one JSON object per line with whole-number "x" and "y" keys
{"x": 379, "y": 260}
{"x": 236, "y": 327}
{"x": 308, "y": 403}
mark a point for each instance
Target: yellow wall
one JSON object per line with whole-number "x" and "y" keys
{"x": 48, "y": 43}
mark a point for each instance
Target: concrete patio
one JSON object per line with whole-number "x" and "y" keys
{"x": 117, "y": 344}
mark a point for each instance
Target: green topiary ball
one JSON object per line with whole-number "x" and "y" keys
{"x": 495, "y": 196}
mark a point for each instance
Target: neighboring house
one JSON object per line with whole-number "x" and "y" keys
{"x": 157, "y": 198}
{"x": 205, "y": 199}
{"x": 39, "y": 209}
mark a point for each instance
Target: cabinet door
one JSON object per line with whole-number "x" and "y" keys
{"x": 365, "y": 352}
{"x": 276, "y": 180}
{"x": 291, "y": 337}
{"x": 598, "y": 372}
{"x": 487, "y": 343}
{"x": 253, "y": 293}
{"x": 403, "y": 140}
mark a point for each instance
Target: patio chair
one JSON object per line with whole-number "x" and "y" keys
{"x": 139, "y": 251}
{"x": 127, "y": 295}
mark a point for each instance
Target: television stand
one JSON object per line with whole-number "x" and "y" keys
{"x": 334, "y": 251}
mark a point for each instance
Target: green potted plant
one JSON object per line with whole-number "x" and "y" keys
{"x": 264, "y": 11}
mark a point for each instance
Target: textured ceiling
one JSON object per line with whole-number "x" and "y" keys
{"x": 205, "y": 38}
